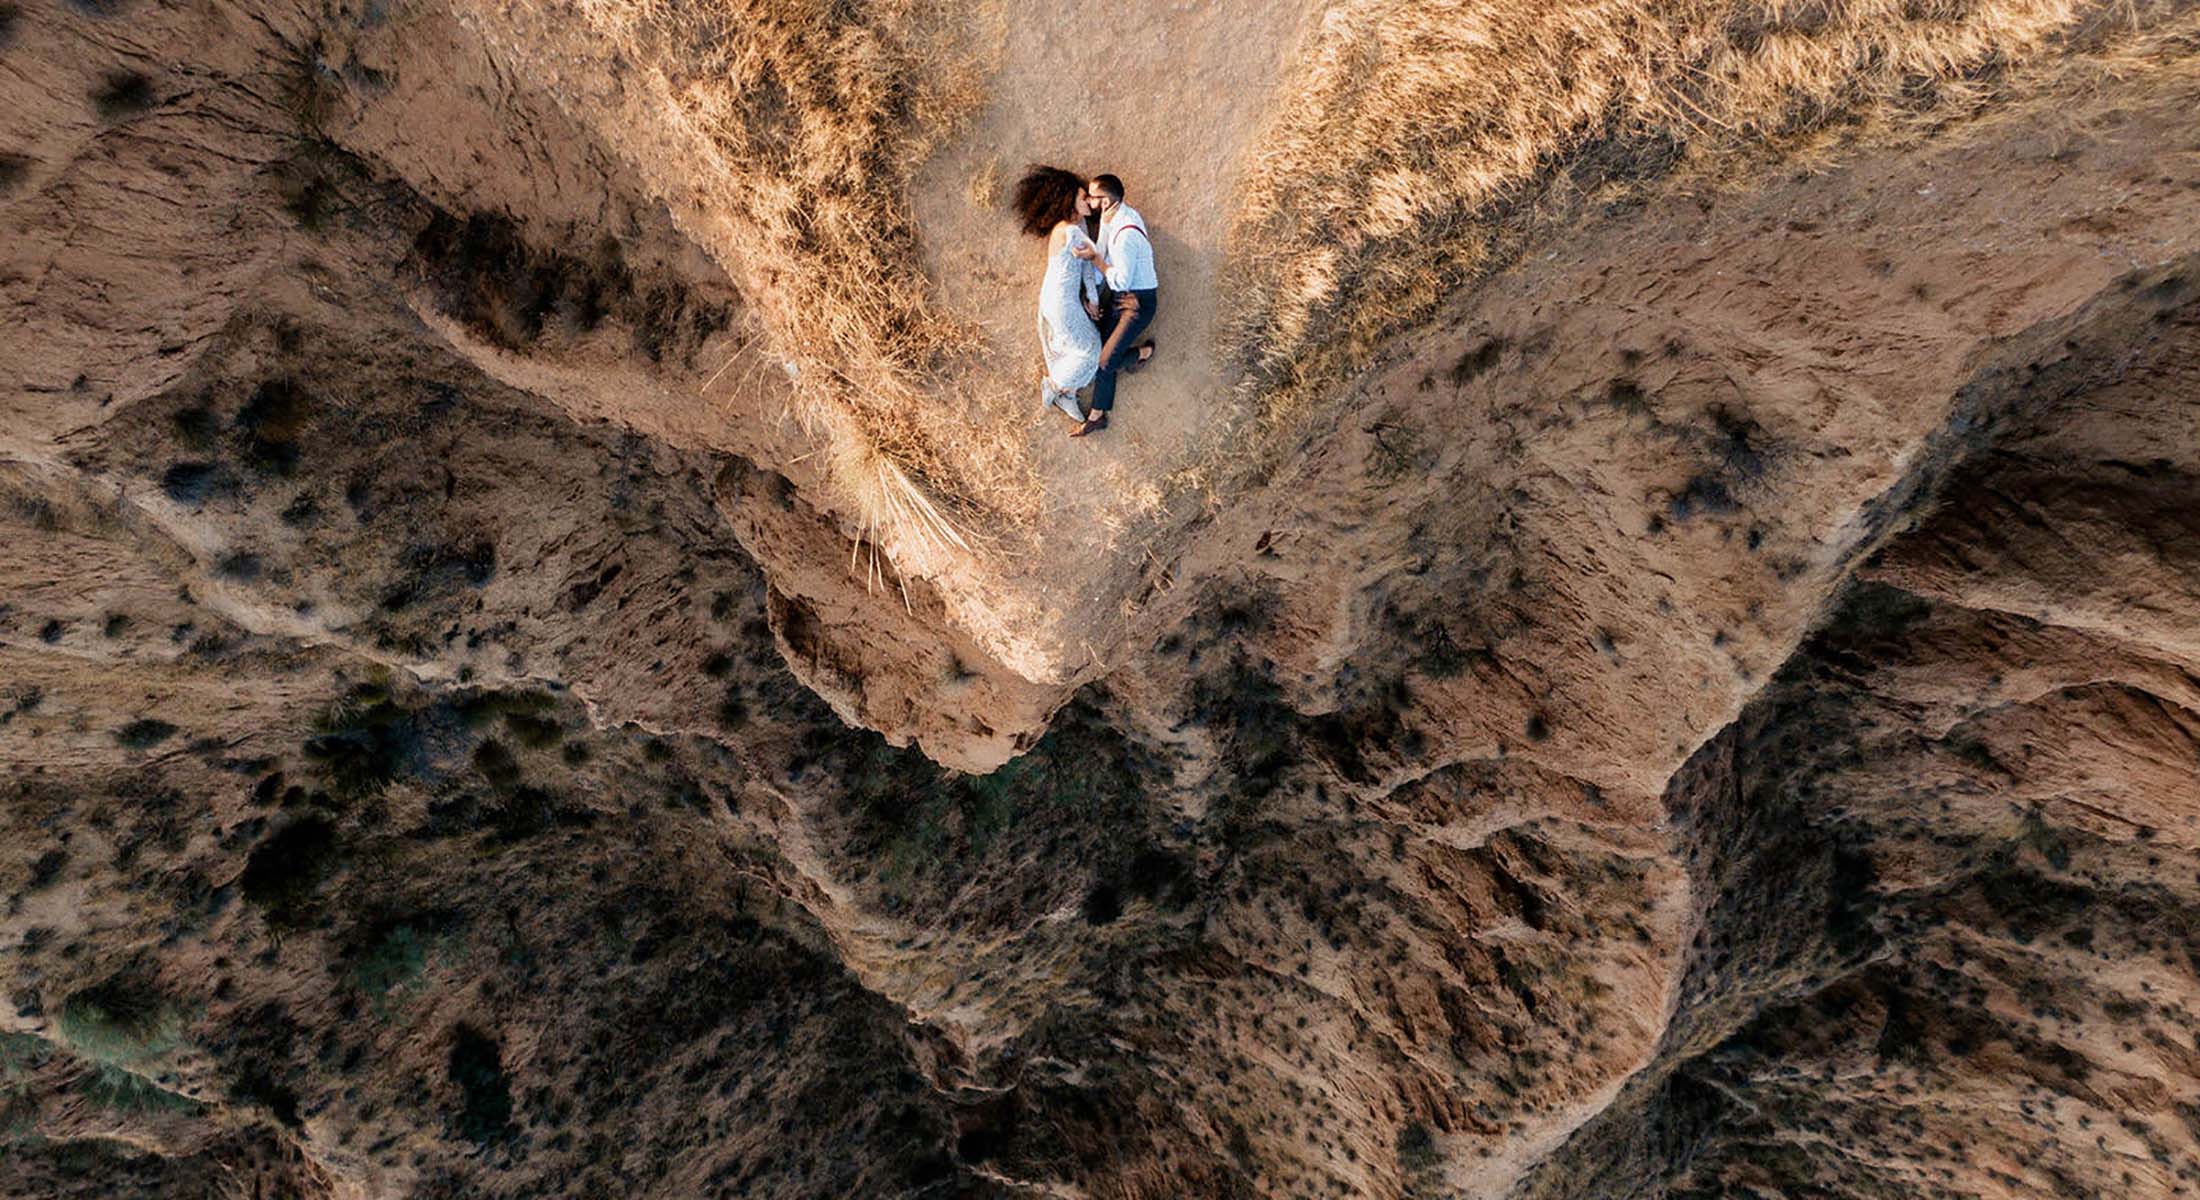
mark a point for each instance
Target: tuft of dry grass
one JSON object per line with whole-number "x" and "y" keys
{"x": 985, "y": 189}
{"x": 1423, "y": 137}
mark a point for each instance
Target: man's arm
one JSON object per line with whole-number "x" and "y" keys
{"x": 1132, "y": 251}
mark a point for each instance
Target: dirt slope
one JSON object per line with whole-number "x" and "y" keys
{"x": 1688, "y": 691}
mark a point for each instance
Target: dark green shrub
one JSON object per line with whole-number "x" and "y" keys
{"x": 496, "y": 764}
{"x": 122, "y": 95}
{"x": 134, "y": 1095}
{"x": 1417, "y": 1148}
{"x": 144, "y": 733}
{"x": 122, "y": 1020}
{"x": 485, "y": 1113}
{"x": 535, "y": 733}
{"x": 389, "y": 968}
{"x": 271, "y": 423}
{"x": 285, "y": 872}
{"x": 366, "y": 742}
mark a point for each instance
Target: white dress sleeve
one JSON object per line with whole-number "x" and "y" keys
{"x": 1088, "y": 275}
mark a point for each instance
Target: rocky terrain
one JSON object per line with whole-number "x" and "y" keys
{"x": 1641, "y": 644}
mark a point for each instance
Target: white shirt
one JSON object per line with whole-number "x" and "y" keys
{"x": 1129, "y": 251}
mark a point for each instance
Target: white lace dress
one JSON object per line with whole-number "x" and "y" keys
{"x": 1067, "y": 336}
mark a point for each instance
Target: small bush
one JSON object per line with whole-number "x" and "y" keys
{"x": 390, "y": 968}
{"x": 144, "y": 733}
{"x": 534, "y": 733}
{"x": 733, "y": 709}
{"x": 366, "y": 742}
{"x": 1628, "y": 397}
{"x": 22, "y": 1054}
{"x": 123, "y": 1020}
{"x": 311, "y": 198}
{"x": 192, "y": 482}
{"x": 258, "y": 1088}
{"x": 1477, "y": 361}
{"x": 485, "y": 1115}
{"x": 285, "y": 871}
{"x": 303, "y": 509}
{"x": 243, "y": 566}
{"x": 1703, "y": 493}
{"x": 195, "y": 426}
{"x": 271, "y": 423}
{"x": 496, "y": 764}
{"x": 1417, "y": 1148}
{"x": 47, "y": 869}
{"x": 482, "y": 708}
{"x": 124, "y": 94}
{"x": 1103, "y": 904}
{"x": 113, "y": 1088}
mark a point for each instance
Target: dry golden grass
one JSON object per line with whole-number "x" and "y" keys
{"x": 1422, "y": 142}
{"x": 1425, "y": 137}
{"x": 814, "y": 115}
{"x": 985, "y": 189}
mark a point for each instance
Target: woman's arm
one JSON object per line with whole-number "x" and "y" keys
{"x": 1088, "y": 279}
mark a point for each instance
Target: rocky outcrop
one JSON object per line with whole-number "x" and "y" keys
{"x": 1941, "y": 948}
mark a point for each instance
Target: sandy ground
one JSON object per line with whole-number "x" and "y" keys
{"x": 1168, "y": 97}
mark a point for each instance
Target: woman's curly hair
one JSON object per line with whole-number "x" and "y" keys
{"x": 1046, "y": 196}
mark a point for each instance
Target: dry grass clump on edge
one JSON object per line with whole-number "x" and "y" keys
{"x": 1422, "y": 136}
{"x": 803, "y": 123}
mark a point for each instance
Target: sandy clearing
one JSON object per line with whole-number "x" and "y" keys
{"x": 1170, "y": 97}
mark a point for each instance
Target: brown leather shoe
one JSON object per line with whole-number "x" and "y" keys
{"x": 1092, "y": 424}
{"x": 1138, "y": 361}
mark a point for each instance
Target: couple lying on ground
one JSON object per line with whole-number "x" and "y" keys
{"x": 1099, "y": 293}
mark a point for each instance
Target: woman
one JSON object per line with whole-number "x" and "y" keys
{"x": 1053, "y": 205}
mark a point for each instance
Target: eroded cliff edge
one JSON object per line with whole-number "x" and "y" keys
{"x": 1710, "y": 711}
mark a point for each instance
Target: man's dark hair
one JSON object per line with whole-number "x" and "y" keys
{"x": 1111, "y": 185}
{"x": 1046, "y": 196}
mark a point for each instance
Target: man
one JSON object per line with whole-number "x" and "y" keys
{"x": 1125, "y": 258}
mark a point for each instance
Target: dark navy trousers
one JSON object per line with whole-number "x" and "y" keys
{"x": 1123, "y": 319}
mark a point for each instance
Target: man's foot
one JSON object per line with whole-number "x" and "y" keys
{"x": 1145, "y": 355}
{"x": 1092, "y": 424}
